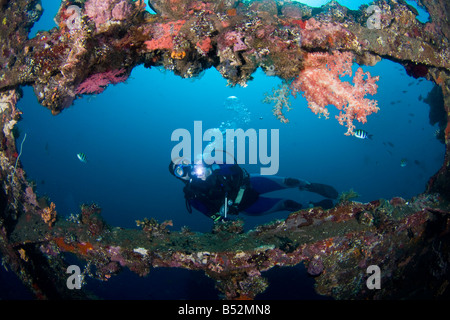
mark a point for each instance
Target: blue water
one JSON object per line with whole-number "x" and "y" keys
{"x": 351, "y": 4}
{"x": 423, "y": 14}
{"x": 125, "y": 133}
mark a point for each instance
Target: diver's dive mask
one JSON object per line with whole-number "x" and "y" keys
{"x": 186, "y": 171}
{"x": 182, "y": 169}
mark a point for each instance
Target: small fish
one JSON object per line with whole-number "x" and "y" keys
{"x": 437, "y": 132}
{"x": 403, "y": 162}
{"x": 82, "y": 157}
{"x": 361, "y": 134}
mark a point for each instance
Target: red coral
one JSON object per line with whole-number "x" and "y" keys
{"x": 204, "y": 46}
{"x": 97, "y": 83}
{"x": 163, "y": 34}
{"x": 321, "y": 85}
{"x": 199, "y": 6}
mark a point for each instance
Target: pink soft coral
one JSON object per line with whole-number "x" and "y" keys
{"x": 321, "y": 85}
{"x": 96, "y": 83}
{"x": 102, "y": 11}
{"x": 233, "y": 38}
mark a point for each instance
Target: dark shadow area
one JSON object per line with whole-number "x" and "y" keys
{"x": 11, "y": 288}
{"x": 160, "y": 284}
{"x": 290, "y": 283}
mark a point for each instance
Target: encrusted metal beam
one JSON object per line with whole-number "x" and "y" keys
{"x": 98, "y": 43}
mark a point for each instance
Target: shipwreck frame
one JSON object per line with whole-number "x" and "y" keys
{"x": 187, "y": 36}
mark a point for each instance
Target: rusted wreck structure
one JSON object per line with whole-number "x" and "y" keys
{"x": 407, "y": 239}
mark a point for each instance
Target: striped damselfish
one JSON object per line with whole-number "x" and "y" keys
{"x": 361, "y": 134}
{"x": 82, "y": 157}
{"x": 403, "y": 162}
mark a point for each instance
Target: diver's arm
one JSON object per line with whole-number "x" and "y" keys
{"x": 200, "y": 206}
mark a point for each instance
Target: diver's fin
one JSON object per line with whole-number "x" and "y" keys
{"x": 294, "y": 182}
{"x": 323, "y": 189}
{"x": 325, "y": 204}
{"x": 291, "y": 205}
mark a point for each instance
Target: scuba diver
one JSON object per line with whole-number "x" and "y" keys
{"x": 220, "y": 190}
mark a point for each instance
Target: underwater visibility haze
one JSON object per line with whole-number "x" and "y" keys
{"x": 101, "y": 160}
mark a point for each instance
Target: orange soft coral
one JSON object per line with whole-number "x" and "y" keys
{"x": 321, "y": 85}
{"x": 49, "y": 214}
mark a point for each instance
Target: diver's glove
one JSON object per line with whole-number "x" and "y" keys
{"x": 323, "y": 189}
